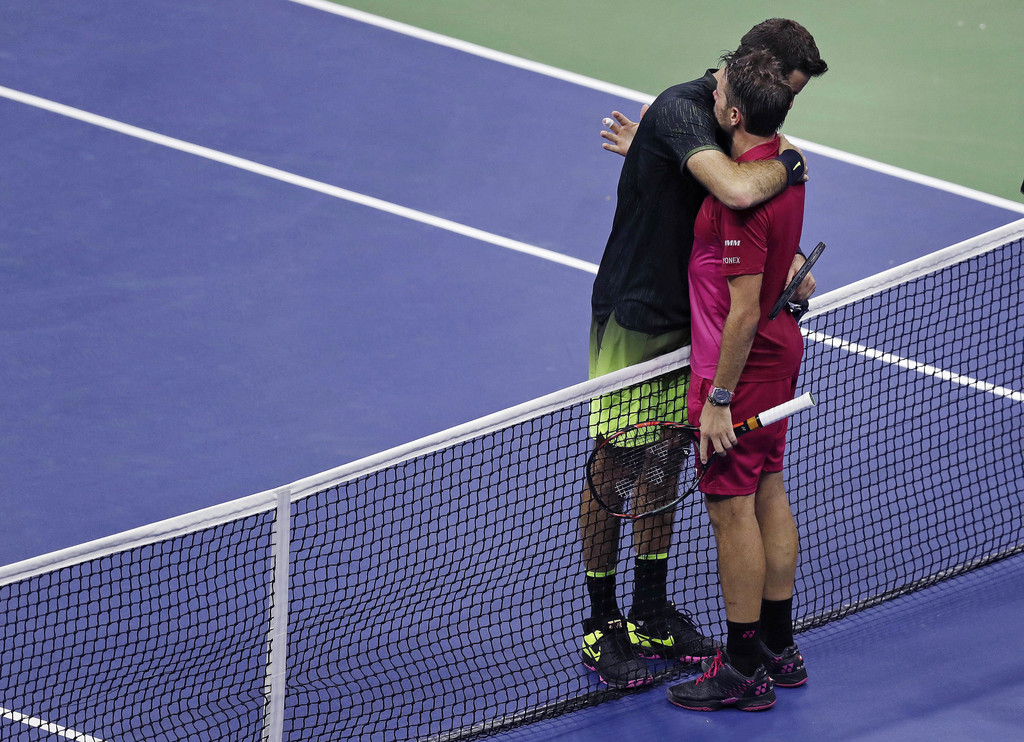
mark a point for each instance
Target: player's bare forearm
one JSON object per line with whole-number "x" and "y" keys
{"x": 740, "y": 328}
{"x": 737, "y": 338}
{"x": 716, "y": 429}
{"x": 737, "y": 185}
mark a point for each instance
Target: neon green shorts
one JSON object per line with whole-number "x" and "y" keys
{"x": 613, "y": 347}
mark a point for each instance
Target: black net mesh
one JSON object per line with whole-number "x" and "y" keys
{"x": 440, "y": 598}
{"x": 908, "y": 472}
{"x": 166, "y": 641}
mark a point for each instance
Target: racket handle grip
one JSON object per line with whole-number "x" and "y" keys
{"x": 773, "y": 415}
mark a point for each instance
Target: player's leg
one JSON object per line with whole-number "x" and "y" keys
{"x": 782, "y": 657}
{"x": 606, "y": 646}
{"x": 741, "y": 571}
{"x": 662, "y": 629}
{"x": 599, "y": 535}
{"x": 778, "y": 535}
{"x": 612, "y": 348}
{"x": 737, "y": 678}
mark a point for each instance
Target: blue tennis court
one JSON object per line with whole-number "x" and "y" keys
{"x": 247, "y": 242}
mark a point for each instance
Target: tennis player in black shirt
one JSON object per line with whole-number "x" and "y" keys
{"x": 641, "y": 309}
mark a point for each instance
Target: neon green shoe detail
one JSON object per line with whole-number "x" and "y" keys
{"x": 671, "y": 634}
{"x": 608, "y": 651}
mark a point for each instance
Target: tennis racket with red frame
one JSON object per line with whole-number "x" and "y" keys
{"x": 650, "y": 467}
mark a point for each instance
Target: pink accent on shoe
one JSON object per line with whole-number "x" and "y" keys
{"x": 713, "y": 668}
{"x": 758, "y": 708}
{"x": 691, "y": 660}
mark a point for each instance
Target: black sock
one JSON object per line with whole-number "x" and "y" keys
{"x": 742, "y": 648}
{"x": 601, "y": 586}
{"x": 777, "y": 624}
{"x": 651, "y": 576}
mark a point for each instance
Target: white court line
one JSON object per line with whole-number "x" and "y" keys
{"x": 471, "y": 232}
{"x": 412, "y": 214}
{"x": 910, "y": 176}
{"x": 369, "y": 201}
{"x": 912, "y": 365}
{"x": 612, "y": 89}
{"x": 475, "y": 49}
{"x": 296, "y": 180}
{"x": 46, "y": 726}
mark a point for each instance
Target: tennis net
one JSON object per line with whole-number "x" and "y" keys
{"x": 434, "y": 592}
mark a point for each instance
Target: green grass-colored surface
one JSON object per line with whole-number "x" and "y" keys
{"x": 934, "y": 86}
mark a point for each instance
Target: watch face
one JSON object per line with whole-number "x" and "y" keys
{"x": 720, "y": 397}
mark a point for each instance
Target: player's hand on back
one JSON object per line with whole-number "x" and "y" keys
{"x": 619, "y": 131}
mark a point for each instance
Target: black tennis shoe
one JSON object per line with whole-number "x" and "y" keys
{"x": 787, "y": 669}
{"x": 607, "y": 650}
{"x": 723, "y": 686}
{"x": 671, "y": 634}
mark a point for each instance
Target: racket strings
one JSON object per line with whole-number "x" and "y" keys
{"x": 638, "y": 479}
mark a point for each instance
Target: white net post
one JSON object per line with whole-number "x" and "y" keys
{"x": 277, "y": 664}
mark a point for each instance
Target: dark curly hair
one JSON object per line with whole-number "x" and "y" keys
{"x": 788, "y": 41}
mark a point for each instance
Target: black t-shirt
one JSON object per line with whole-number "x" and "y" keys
{"x": 643, "y": 272}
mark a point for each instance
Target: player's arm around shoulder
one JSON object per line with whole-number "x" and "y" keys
{"x": 737, "y": 185}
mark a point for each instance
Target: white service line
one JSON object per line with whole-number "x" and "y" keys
{"x": 912, "y": 365}
{"x": 475, "y": 49}
{"x": 909, "y": 175}
{"x": 862, "y": 162}
{"x": 296, "y": 180}
{"x": 640, "y": 97}
{"x": 46, "y": 726}
{"x": 478, "y": 234}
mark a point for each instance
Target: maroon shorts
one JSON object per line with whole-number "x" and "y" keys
{"x": 755, "y": 453}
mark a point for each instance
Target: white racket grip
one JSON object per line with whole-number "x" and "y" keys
{"x": 793, "y": 406}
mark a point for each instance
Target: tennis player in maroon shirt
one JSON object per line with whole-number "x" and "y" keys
{"x": 742, "y": 363}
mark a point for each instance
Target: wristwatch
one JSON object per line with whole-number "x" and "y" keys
{"x": 719, "y": 397}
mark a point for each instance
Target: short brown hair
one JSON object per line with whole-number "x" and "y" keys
{"x": 758, "y": 88}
